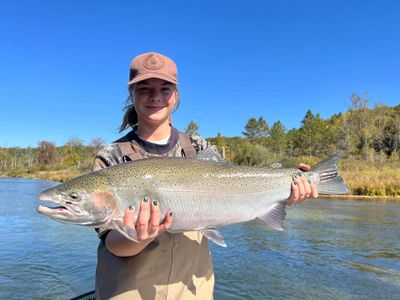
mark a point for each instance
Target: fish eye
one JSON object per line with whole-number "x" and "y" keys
{"x": 74, "y": 196}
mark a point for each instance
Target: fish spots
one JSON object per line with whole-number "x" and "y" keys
{"x": 242, "y": 175}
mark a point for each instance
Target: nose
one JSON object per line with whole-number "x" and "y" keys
{"x": 155, "y": 96}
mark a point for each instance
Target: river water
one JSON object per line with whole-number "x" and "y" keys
{"x": 330, "y": 249}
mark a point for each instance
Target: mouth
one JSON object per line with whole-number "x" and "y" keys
{"x": 154, "y": 108}
{"x": 50, "y": 211}
{"x": 53, "y": 209}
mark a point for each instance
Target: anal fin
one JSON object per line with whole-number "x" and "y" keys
{"x": 214, "y": 235}
{"x": 275, "y": 216}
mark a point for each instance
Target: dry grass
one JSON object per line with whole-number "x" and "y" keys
{"x": 59, "y": 175}
{"x": 371, "y": 178}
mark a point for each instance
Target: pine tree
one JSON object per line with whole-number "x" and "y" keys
{"x": 192, "y": 128}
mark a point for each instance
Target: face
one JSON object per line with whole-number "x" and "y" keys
{"x": 155, "y": 100}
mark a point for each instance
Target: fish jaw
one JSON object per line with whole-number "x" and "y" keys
{"x": 59, "y": 213}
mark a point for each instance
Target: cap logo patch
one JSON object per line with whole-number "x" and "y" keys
{"x": 153, "y": 62}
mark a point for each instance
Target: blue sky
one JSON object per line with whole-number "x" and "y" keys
{"x": 64, "y": 65}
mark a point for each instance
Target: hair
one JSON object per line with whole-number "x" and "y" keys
{"x": 130, "y": 118}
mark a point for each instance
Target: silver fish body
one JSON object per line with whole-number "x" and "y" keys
{"x": 202, "y": 192}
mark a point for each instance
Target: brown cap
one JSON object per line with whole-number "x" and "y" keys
{"x": 153, "y": 65}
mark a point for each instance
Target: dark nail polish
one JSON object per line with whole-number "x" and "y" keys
{"x": 145, "y": 200}
{"x": 301, "y": 174}
{"x": 170, "y": 213}
{"x": 294, "y": 182}
{"x": 295, "y": 177}
{"x": 155, "y": 202}
{"x": 309, "y": 180}
{"x": 130, "y": 207}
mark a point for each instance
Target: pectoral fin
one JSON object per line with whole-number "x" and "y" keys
{"x": 214, "y": 235}
{"x": 275, "y": 216}
{"x": 128, "y": 232}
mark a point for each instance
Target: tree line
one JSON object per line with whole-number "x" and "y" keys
{"x": 361, "y": 133}
{"x": 47, "y": 156}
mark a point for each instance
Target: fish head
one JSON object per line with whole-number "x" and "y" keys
{"x": 84, "y": 200}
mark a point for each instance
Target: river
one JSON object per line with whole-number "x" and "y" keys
{"x": 330, "y": 249}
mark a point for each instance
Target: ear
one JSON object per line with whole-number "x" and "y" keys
{"x": 174, "y": 98}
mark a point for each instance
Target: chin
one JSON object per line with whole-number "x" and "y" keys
{"x": 157, "y": 119}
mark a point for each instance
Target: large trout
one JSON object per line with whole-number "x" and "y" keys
{"x": 203, "y": 193}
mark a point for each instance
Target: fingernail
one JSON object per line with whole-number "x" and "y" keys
{"x": 309, "y": 180}
{"x": 155, "y": 202}
{"x": 294, "y": 182}
{"x": 130, "y": 207}
{"x": 301, "y": 174}
{"x": 170, "y": 213}
{"x": 295, "y": 177}
{"x": 145, "y": 199}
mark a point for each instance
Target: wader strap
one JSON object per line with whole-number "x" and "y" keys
{"x": 187, "y": 147}
{"x": 129, "y": 150}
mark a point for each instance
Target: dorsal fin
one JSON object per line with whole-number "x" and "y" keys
{"x": 210, "y": 154}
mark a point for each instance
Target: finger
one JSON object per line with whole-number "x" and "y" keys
{"x": 154, "y": 218}
{"x": 129, "y": 217}
{"x": 302, "y": 191}
{"x": 294, "y": 193}
{"x": 304, "y": 167}
{"x": 167, "y": 223}
{"x": 307, "y": 188}
{"x": 143, "y": 219}
{"x": 314, "y": 190}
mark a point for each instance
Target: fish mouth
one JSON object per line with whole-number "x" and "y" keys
{"x": 59, "y": 212}
{"x": 65, "y": 212}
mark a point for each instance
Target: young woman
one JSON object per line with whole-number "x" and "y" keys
{"x": 161, "y": 265}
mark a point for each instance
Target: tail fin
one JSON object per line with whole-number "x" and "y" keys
{"x": 329, "y": 180}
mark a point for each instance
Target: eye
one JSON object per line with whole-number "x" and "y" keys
{"x": 142, "y": 89}
{"x": 74, "y": 196}
{"x": 166, "y": 90}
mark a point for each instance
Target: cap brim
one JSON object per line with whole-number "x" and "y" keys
{"x": 153, "y": 75}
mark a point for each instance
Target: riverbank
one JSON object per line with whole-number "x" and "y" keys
{"x": 362, "y": 197}
{"x": 50, "y": 175}
{"x": 371, "y": 179}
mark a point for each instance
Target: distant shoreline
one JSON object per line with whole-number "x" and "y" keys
{"x": 361, "y": 197}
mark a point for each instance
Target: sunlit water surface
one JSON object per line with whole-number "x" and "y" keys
{"x": 330, "y": 249}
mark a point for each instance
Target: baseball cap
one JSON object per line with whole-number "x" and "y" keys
{"x": 153, "y": 65}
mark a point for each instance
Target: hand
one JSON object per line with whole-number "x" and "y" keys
{"x": 301, "y": 188}
{"x": 148, "y": 225}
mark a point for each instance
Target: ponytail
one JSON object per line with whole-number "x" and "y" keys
{"x": 130, "y": 118}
